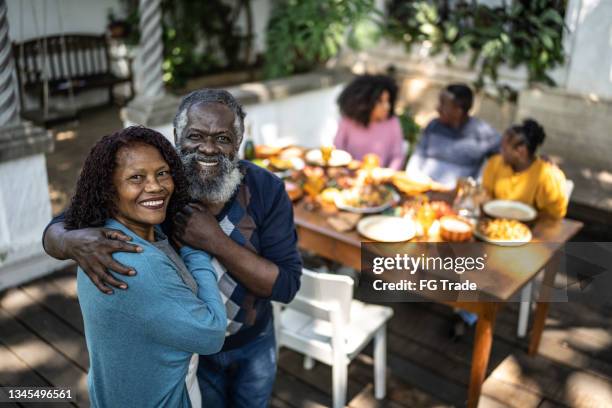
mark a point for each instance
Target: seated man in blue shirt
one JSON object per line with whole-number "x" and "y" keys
{"x": 241, "y": 215}
{"x": 455, "y": 144}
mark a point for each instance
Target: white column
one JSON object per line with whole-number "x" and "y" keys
{"x": 24, "y": 195}
{"x": 8, "y": 95}
{"x": 152, "y": 48}
{"x": 152, "y": 107}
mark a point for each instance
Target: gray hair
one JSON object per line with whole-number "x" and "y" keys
{"x": 209, "y": 96}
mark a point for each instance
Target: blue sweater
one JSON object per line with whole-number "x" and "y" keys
{"x": 446, "y": 154}
{"x": 140, "y": 340}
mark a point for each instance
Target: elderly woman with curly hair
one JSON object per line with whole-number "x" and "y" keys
{"x": 368, "y": 123}
{"x": 141, "y": 341}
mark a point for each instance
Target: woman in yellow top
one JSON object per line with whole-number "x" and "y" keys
{"x": 519, "y": 174}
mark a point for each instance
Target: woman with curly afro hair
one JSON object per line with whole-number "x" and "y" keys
{"x": 368, "y": 123}
{"x": 143, "y": 342}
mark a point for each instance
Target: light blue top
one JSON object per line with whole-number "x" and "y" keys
{"x": 446, "y": 154}
{"x": 141, "y": 340}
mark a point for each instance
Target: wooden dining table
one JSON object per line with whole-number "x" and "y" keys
{"x": 315, "y": 234}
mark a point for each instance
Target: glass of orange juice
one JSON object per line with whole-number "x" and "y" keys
{"x": 326, "y": 153}
{"x": 315, "y": 181}
{"x": 426, "y": 217}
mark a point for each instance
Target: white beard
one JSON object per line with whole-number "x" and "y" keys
{"x": 223, "y": 190}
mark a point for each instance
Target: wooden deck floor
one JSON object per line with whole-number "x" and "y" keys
{"x": 42, "y": 343}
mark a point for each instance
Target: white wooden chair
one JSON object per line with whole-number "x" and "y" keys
{"x": 527, "y": 291}
{"x": 324, "y": 323}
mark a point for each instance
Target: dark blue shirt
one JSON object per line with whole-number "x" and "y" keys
{"x": 259, "y": 217}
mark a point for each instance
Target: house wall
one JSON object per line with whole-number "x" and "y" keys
{"x": 24, "y": 213}
{"x": 27, "y": 18}
{"x": 308, "y": 119}
{"x": 589, "y": 42}
{"x": 299, "y": 110}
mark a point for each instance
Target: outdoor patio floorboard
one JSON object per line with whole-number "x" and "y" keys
{"x": 42, "y": 344}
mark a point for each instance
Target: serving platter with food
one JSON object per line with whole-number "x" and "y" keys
{"x": 367, "y": 199}
{"x": 502, "y": 231}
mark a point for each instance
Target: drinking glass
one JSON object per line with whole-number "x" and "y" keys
{"x": 426, "y": 217}
{"x": 326, "y": 152}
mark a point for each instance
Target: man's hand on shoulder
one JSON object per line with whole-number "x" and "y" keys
{"x": 92, "y": 249}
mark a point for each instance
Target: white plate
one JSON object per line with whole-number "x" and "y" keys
{"x": 512, "y": 210}
{"x": 341, "y": 205}
{"x": 483, "y": 237}
{"x": 386, "y": 228}
{"x": 338, "y": 158}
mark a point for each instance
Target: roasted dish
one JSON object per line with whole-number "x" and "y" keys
{"x": 265, "y": 151}
{"x": 329, "y": 195}
{"x": 280, "y": 164}
{"x": 367, "y": 196}
{"x": 502, "y": 229}
{"x": 440, "y": 208}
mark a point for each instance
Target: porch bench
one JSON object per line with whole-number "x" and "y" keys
{"x": 70, "y": 63}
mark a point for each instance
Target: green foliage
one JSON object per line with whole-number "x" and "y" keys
{"x": 410, "y": 129}
{"x": 526, "y": 33}
{"x": 304, "y": 33}
{"x": 199, "y": 37}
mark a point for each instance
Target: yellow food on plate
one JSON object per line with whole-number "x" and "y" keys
{"x": 370, "y": 161}
{"x": 329, "y": 195}
{"x": 409, "y": 186}
{"x": 503, "y": 229}
{"x": 382, "y": 175}
{"x": 280, "y": 164}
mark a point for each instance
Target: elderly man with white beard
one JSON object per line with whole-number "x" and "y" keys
{"x": 241, "y": 215}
